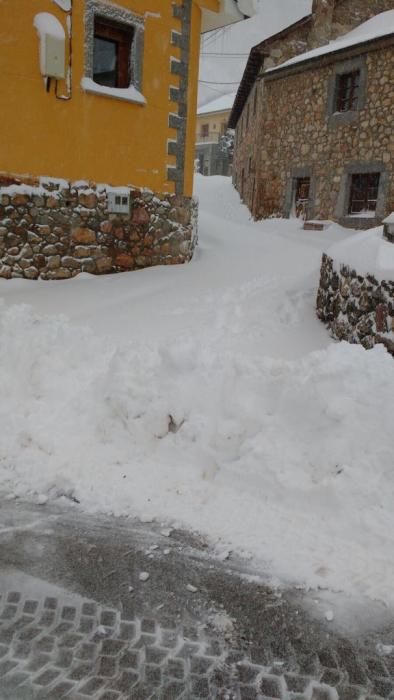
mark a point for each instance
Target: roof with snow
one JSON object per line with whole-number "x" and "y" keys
{"x": 221, "y": 104}
{"x": 254, "y": 65}
{"x": 382, "y": 25}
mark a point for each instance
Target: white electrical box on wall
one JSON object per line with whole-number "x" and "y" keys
{"x": 118, "y": 202}
{"x": 52, "y": 46}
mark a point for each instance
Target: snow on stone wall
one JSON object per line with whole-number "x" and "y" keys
{"x": 356, "y": 307}
{"x": 55, "y": 230}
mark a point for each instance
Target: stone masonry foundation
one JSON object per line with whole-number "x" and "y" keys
{"x": 356, "y": 308}
{"x": 55, "y": 230}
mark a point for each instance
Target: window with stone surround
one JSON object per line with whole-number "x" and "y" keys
{"x": 347, "y": 91}
{"x": 114, "y": 46}
{"x": 111, "y": 53}
{"x": 204, "y": 130}
{"x": 364, "y": 191}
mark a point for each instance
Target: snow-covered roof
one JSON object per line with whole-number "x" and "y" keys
{"x": 379, "y": 26}
{"x": 221, "y": 104}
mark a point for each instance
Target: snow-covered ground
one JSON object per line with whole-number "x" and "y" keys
{"x": 208, "y": 395}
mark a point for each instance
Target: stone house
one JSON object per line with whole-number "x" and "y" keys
{"x": 313, "y": 119}
{"x": 212, "y": 121}
{"x": 98, "y": 132}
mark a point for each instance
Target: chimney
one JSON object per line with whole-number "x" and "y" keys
{"x": 322, "y": 16}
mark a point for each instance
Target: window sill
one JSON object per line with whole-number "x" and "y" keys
{"x": 130, "y": 94}
{"x": 360, "y": 222}
{"x": 349, "y": 117}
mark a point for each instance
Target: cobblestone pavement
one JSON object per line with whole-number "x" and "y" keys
{"x": 113, "y": 610}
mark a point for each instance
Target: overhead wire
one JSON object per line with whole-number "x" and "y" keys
{"x": 225, "y": 55}
{"x": 219, "y": 82}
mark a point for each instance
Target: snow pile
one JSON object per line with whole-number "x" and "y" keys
{"x": 367, "y": 253}
{"x": 290, "y": 460}
{"x": 190, "y": 393}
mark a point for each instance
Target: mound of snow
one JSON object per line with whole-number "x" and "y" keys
{"x": 190, "y": 393}
{"x": 367, "y": 253}
{"x": 288, "y": 460}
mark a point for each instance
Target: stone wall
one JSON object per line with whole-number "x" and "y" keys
{"x": 247, "y": 133}
{"x": 332, "y": 18}
{"x": 55, "y": 231}
{"x": 245, "y": 154}
{"x": 356, "y": 308}
{"x": 300, "y": 137}
{"x": 322, "y": 14}
{"x": 348, "y": 14}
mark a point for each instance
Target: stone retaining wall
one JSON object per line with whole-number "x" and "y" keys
{"x": 356, "y": 308}
{"x": 55, "y": 231}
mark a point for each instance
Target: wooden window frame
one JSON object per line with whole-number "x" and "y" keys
{"x": 347, "y": 94}
{"x": 302, "y": 186}
{"x": 364, "y": 189}
{"x": 122, "y": 35}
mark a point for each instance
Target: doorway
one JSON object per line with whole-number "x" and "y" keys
{"x": 301, "y": 197}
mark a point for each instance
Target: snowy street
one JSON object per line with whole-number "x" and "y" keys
{"x": 210, "y": 397}
{"x": 93, "y": 607}
{"x": 196, "y": 350}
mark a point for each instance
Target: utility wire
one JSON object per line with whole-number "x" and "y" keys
{"x": 218, "y": 82}
{"x": 212, "y": 37}
{"x": 217, "y": 53}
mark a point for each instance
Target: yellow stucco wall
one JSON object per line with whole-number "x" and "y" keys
{"x": 217, "y": 122}
{"x": 93, "y": 137}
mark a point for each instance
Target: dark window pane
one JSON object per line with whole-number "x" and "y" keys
{"x": 347, "y": 91}
{"x": 364, "y": 193}
{"x": 105, "y": 62}
{"x": 302, "y": 190}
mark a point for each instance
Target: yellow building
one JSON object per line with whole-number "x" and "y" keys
{"x": 212, "y": 120}
{"x": 103, "y": 93}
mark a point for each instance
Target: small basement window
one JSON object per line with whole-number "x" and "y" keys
{"x": 364, "y": 193}
{"x": 111, "y": 53}
{"x": 347, "y": 91}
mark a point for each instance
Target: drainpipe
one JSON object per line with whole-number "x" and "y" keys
{"x": 69, "y": 23}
